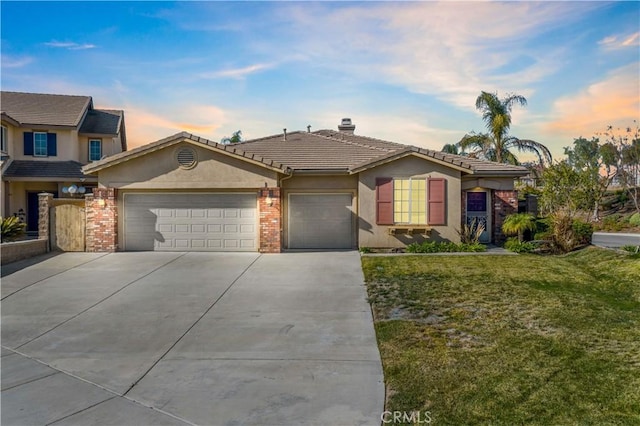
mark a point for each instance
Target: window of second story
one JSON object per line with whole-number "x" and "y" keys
{"x": 3, "y": 140}
{"x": 40, "y": 144}
{"x": 95, "y": 149}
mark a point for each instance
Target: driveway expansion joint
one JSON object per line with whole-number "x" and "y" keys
{"x": 194, "y": 324}
{"x": 100, "y": 301}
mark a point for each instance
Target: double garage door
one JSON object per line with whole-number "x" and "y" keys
{"x": 191, "y": 222}
{"x": 229, "y": 222}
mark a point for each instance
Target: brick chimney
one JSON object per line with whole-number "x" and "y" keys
{"x": 346, "y": 126}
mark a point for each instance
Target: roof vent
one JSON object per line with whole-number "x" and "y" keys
{"x": 186, "y": 158}
{"x": 346, "y": 126}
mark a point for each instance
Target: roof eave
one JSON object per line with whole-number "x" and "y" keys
{"x": 402, "y": 154}
{"x": 179, "y": 138}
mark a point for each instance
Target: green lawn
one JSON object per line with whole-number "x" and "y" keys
{"x": 548, "y": 340}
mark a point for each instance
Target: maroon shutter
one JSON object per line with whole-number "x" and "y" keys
{"x": 384, "y": 201}
{"x": 437, "y": 201}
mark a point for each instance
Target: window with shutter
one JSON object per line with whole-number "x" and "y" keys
{"x": 28, "y": 143}
{"x": 52, "y": 144}
{"x": 384, "y": 201}
{"x": 436, "y": 204}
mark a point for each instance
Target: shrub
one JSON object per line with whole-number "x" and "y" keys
{"x": 12, "y": 228}
{"x": 582, "y": 231}
{"x": 631, "y": 249}
{"x": 444, "y": 247}
{"x": 513, "y": 244}
{"x": 634, "y": 220}
{"x": 519, "y": 223}
{"x": 614, "y": 222}
{"x": 470, "y": 233}
{"x": 365, "y": 250}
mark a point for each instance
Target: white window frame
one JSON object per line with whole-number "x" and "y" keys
{"x": 46, "y": 145}
{"x": 89, "y": 149}
{"x": 4, "y": 146}
{"x": 411, "y": 220}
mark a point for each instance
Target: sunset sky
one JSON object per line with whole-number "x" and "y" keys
{"x": 407, "y": 72}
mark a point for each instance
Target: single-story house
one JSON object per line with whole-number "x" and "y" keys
{"x": 324, "y": 189}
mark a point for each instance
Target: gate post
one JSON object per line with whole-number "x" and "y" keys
{"x": 45, "y": 201}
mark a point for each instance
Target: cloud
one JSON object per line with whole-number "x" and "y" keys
{"x": 613, "y": 101}
{"x": 145, "y": 125}
{"x": 621, "y": 41}
{"x": 237, "y": 73}
{"x": 446, "y": 50}
{"x": 69, "y": 45}
{"x": 15, "y": 62}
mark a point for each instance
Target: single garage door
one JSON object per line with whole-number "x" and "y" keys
{"x": 190, "y": 222}
{"x": 320, "y": 221}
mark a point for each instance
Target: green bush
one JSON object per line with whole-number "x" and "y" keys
{"x": 444, "y": 247}
{"x": 614, "y": 222}
{"x": 12, "y": 228}
{"x": 582, "y": 231}
{"x": 512, "y": 244}
{"x": 635, "y": 219}
{"x": 365, "y": 250}
{"x": 631, "y": 249}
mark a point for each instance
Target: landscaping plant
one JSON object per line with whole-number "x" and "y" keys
{"x": 12, "y": 228}
{"x": 470, "y": 233}
{"x": 518, "y": 223}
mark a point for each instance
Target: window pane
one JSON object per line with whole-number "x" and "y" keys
{"x": 95, "y": 150}
{"x": 40, "y": 144}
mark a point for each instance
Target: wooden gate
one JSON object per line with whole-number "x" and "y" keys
{"x": 67, "y": 227}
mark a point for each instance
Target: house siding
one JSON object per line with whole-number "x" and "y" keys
{"x": 372, "y": 235}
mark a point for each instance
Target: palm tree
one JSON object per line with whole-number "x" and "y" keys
{"x": 518, "y": 223}
{"x": 497, "y": 145}
{"x": 450, "y": 148}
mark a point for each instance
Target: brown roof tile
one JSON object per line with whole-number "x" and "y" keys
{"x": 44, "y": 109}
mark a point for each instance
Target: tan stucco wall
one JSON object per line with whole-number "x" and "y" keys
{"x": 110, "y": 145}
{"x": 67, "y": 145}
{"x": 160, "y": 170}
{"x": 347, "y": 184}
{"x": 372, "y": 235}
{"x": 11, "y": 132}
{"x": 17, "y": 194}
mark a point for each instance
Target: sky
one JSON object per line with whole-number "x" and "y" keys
{"x": 408, "y": 72}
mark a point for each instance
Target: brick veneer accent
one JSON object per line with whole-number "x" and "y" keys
{"x": 270, "y": 220}
{"x": 45, "y": 202}
{"x": 504, "y": 203}
{"x": 102, "y": 220}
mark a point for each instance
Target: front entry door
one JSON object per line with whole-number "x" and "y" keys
{"x": 478, "y": 211}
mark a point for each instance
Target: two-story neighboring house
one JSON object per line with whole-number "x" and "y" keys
{"x": 46, "y": 139}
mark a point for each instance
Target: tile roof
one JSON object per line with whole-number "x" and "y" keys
{"x": 232, "y": 150}
{"x": 44, "y": 169}
{"x": 322, "y": 150}
{"x": 102, "y": 122}
{"x": 44, "y": 109}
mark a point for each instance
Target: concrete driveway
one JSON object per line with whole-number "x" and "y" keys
{"x": 189, "y": 338}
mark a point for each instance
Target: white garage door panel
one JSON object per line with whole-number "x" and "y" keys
{"x": 190, "y": 222}
{"x": 320, "y": 221}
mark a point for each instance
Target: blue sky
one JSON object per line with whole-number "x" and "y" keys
{"x": 407, "y": 72}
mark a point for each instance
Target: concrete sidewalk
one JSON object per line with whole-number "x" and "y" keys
{"x": 191, "y": 338}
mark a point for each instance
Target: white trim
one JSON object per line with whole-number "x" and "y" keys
{"x": 121, "y": 227}
{"x": 46, "y": 141}
{"x": 4, "y": 143}
{"x": 89, "y": 148}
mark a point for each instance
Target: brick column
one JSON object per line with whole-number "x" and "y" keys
{"x": 102, "y": 220}
{"x": 45, "y": 201}
{"x": 270, "y": 220}
{"x": 504, "y": 204}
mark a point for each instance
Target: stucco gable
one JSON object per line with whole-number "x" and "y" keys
{"x": 160, "y": 169}
{"x": 184, "y": 137}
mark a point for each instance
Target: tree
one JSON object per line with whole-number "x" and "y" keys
{"x": 625, "y": 150}
{"x": 518, "y": 223}
{"x": 497, "y": 144}
{"x": 235, "y": 138}
{"x": 595, "y": 163}
{"x": 450, "y": 148}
